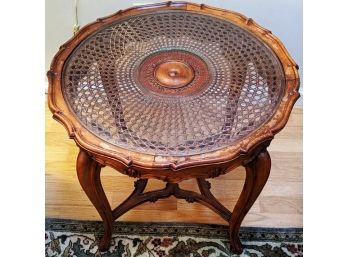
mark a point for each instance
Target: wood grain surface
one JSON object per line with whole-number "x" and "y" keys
{"x": 279, "y": 205}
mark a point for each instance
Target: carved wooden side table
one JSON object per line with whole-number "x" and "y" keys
{"x": 173, "y": 91}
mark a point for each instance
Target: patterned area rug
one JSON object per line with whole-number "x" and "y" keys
{"x": 67, "y": 238}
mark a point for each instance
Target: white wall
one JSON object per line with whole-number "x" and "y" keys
{"x": 283, "y": 18}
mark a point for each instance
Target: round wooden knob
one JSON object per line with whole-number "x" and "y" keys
{"x": 174, "y": 74}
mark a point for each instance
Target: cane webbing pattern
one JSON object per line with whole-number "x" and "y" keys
{"x": 236, "y": 85}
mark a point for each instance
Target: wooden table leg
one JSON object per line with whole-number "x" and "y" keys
{"x": 257, "y": 173}
{"x": 88, "y": 172}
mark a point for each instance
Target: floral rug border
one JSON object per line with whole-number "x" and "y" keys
{"x": 177, "y": 229}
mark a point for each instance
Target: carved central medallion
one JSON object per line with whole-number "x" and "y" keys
{"x": 173, "y": 73}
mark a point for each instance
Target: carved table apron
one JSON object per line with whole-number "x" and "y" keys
{"x": 173, "y": 91}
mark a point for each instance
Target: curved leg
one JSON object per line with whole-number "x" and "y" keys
{"x": 257, "y": 173}
{"x": 88, "y": 172}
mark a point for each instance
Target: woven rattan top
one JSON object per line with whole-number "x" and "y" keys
{"x": 172, "y": 83}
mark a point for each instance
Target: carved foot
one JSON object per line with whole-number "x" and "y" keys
{"x": 236, "y": 246}
{"x": 104, "y": 242}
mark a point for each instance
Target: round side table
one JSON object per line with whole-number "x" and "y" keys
{"x": 173, "y": 91}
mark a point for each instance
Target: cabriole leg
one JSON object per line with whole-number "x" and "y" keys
{"x": 257, "y": 173}
{"x": 88, "y": 172}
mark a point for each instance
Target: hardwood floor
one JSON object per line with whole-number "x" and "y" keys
{"x": 279, "y": 205}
